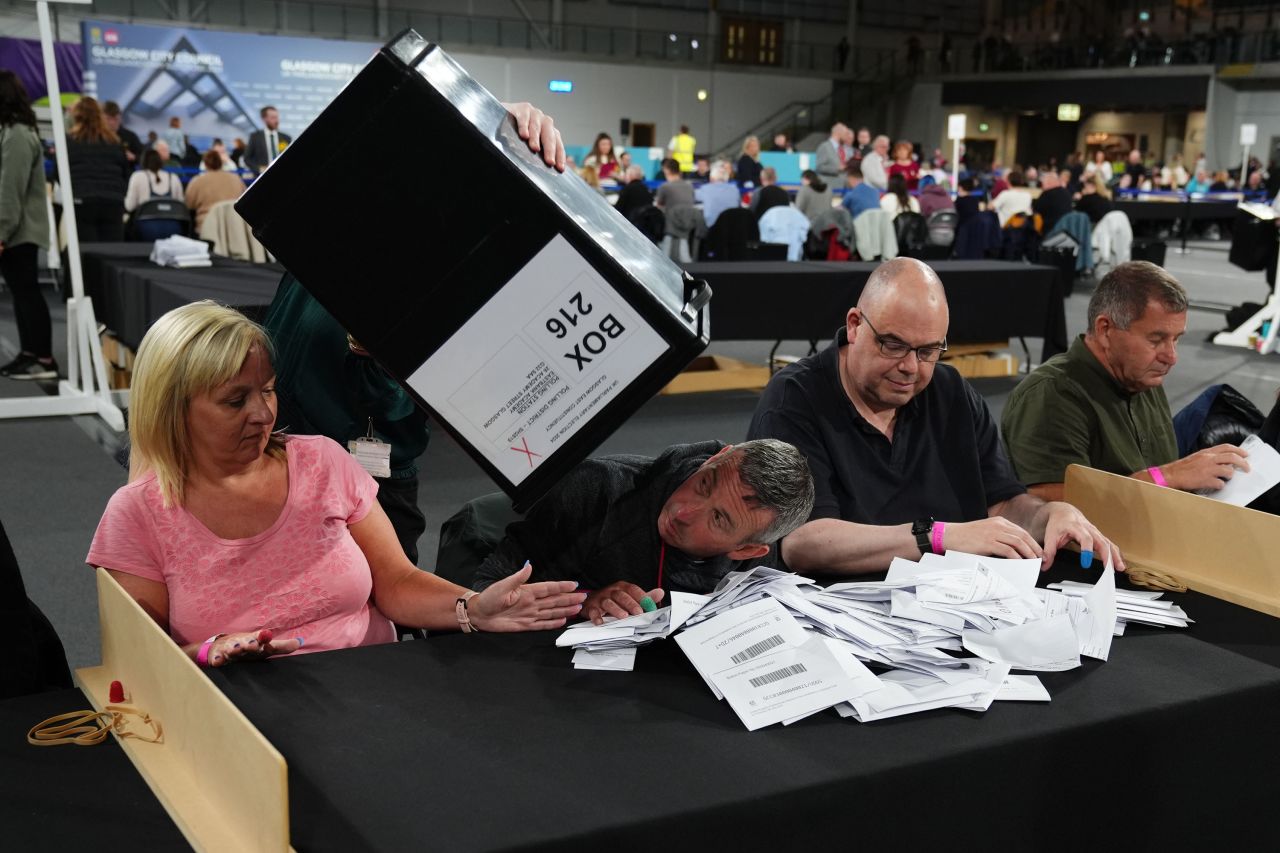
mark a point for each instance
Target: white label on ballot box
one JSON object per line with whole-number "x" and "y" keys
{"x": 533, "y": 365}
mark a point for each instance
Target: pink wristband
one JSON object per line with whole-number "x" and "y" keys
{"x": 202, "y": 656}
{"x": 1156, "y": 476}
{"x": 936, "y": 541}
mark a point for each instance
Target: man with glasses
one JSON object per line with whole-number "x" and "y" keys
{"x": 905, "y": 455}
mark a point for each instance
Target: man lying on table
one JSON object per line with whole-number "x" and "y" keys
{"x": 622, "y": 524}
{"x": 905, "y": 455}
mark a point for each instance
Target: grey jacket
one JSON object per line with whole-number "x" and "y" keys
{"x": 827, "y": 162}
{"x": 812, "y": 203}
{"x": 24, "y": 216}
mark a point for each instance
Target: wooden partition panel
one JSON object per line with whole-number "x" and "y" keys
{"x": 222, "y": 782}
{"x": 1226, "y": 551}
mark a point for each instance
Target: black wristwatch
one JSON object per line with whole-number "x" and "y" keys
{"x": 921, "y": 530}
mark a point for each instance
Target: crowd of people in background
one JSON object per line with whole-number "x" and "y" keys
{"x": 114, "y": 174}
{"x": 860, "y": 171}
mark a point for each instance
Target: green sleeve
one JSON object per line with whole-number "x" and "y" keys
{"x": 1047, "y": 426}
{"x": 15, "y": 169}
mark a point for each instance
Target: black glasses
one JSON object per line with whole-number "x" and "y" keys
{"x": 896, "y": 349}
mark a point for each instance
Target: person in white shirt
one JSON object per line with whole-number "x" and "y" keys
{"x": 897, "y": 199}
{"x": 151, "y": 181}
{"x": 875, "y": 164}
{"x": 1014, "y": 200}
{"x": 1099, "y": 166}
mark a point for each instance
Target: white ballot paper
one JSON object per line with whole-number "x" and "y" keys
{"x": 1044, "y": 645}
{"x": 767, "y": 666}
{"x": 1246, "y": 486}
{"x": 608, "y": 660}
{"x": 1022, "y": 688}
{"x": 1097, "y": 623}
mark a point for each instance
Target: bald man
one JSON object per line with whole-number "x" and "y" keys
{"x": 905, "y": 455}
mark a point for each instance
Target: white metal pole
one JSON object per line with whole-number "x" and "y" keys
{"x": 955, "y": 168}
{"x": 60, "y": 148}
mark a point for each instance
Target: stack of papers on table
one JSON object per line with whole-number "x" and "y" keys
{"x": 946, "y": 632}
{"x": 181, "y": 252}
{"x": 758, "y": 649}
{"x": 1140, "y": 606}
{"x": 612, "y": 646}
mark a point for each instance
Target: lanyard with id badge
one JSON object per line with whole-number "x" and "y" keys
{"x": 373, "y": 455}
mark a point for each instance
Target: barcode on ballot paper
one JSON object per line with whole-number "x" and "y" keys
{"x": 778, "y": 675}
{"x": 758, "y": 649}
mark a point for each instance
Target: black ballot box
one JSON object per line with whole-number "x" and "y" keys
{"x": 512, "y": 301}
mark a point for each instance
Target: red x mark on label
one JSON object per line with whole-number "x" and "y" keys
{"x": 525, "y": 450}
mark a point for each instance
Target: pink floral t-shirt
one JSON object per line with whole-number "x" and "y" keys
{"x": 304, "y": 576}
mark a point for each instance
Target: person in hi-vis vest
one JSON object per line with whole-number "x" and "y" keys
{"x": 680, "y": 148}
{"x": 265, "y": 145}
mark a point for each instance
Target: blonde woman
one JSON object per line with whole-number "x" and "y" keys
{"x": 245, "y": 543}
{"x": 747, "y": 170}
{"x": 1095, "y": 199}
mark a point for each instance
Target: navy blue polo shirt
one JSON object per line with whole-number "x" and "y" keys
{"x": 946, "y": 460}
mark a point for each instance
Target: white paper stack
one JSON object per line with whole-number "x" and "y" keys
{"x": 1141, "y": 606}
{"x": 181, "y": 252}
{"x": 612, "y": 646}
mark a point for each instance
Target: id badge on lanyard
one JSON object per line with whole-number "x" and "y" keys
{"x": 372, "y": 454}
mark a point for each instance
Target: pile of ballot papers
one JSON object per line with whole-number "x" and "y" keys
{"x": 181, "y": 252}
{"x": 945, "y": 632}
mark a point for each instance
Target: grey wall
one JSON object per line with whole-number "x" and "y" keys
{"x": 1227, "y": 110}
{"x": 605, "y": 92}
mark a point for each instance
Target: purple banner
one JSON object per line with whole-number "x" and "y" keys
{"x": 23, "y": 57}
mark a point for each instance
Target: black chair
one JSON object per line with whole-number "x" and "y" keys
{"x": 767, "y": 251}
{"x": 912, "y": 233}
{"x": 942, "y": 225}
{"x": 729, "y": 238}
{"x": 34, "y": 660}
{"x": 651, "y": 221}
{"x": 158, "y": 218}
{"x": 471, "y": 534}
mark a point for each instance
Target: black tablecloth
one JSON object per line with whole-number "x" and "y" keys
{"x": 73, "y": 797}
{"x": 485, "y": 742}
{"x": 808, "y": 300}
{"x": 130, "y": 293}
{"x": 1165, "y": 211}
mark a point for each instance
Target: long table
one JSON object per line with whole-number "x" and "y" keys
{"x": 130, "y": 292}
{"x": 808, "y": 300}
{"x": 1167, "y": 211}
{"x": 494, "y": 742}
{"x": 762, "y": 300}
{"x": 487, "y": 742}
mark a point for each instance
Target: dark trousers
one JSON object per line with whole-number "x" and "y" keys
{"x": 35, "y": 330}
{"x": 399, "y": 499}
{"x": 100, "y": 220}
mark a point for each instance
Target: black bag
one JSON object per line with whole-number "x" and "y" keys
{"x": 1148, "y": 250}
{"x": 912, "y": 233}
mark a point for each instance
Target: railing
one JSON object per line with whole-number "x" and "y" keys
{"x": 869, "y": 72}
{"x": 293, "y": 17}
{"x": 1222, "y": 48}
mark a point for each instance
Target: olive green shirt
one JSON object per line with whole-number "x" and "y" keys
{"x": 1070, "y": 410}
{"x": 24, "y": 216}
